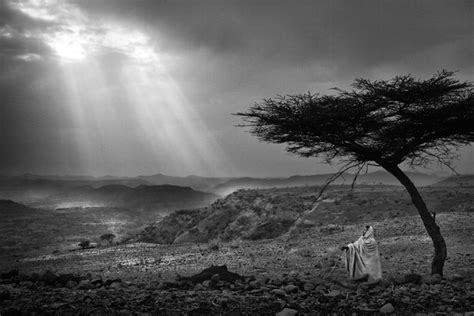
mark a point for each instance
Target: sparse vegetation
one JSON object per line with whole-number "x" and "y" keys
{"x": 84, "y": 244}
{"x": 109, "y": 237}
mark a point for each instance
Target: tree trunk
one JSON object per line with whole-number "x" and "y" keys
{"x": 432, "y": 228}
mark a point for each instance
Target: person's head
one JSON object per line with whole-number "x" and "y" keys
{"x": 366, "y": 228}
{"x": 368, "y": 232}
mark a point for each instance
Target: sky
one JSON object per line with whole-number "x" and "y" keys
{"x": 126, "y": 88}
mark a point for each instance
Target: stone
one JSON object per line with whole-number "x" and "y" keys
{"x": 254, "y": 284}
{"x": 10, "y": 274}
{"x": 115, "y": 285}
{"x": 85, "y": 285}
{"x": 49, "y": 278}
{"x": 4, "y": 294}
{"x": 215, "y": 278}
{"x": 206, "y": 283}
{"x": 334, "y": 293}
{"x": 433, "y": 279}
{"x": 198, "y": 287}
{"x": 97, "y": 281}
{"x": 279, "y": 292}
{"x": 277, "y": 282}
{"x": 308, "y": 286}
{"x": 321, "y": 288}
{"x": 456, "y": 277}
{"x": 287, "y": 312}
{"x": 291, "y": 288}
{"x": 109, "y": 282}
{"x": 412, "y": 278}
{"x": 26, "y": 283}
{"x": 387, "y": 309}
{"x": 34, "y": 277}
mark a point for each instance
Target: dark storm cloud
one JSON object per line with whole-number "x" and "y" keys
{"x": 349, "y": 34}
{"x": 229, "y": 54}
{"x": 15, "y": 33}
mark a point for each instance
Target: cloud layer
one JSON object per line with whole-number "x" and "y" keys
{"x": 219, "y": 57}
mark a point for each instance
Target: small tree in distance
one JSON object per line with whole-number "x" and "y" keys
{"x": 84, "y": 244}
{"x": 380, "y": 123}
{"x": 109, "y": 237}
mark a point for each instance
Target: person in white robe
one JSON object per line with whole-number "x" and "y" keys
{"x": 362, "y": 258}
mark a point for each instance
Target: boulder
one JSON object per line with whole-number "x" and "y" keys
{"x": 4, "y": 294}
{"x": 291, "y": 288}
{"x": 85, "y": 285}
{"x": 334, "y": 293}
{"x": 412, "y": 278}
{"x": 456, "y": 277}
{"x": 209, "y": 273}
{"x": 387, "y": 309}
{"x": 279, "y": 292}
{"x": 287, "y": 312}
{"x": 433, "y": 279}
{"x": 10, "y": 274}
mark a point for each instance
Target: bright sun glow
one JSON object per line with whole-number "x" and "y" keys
{"x": 74, "y": 37}
{"x": 139, "y": 115}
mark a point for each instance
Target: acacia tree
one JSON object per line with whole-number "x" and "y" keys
{"x": 379, "y": 123}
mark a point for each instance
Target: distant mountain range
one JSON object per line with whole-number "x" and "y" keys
{"x": 155, "y": 198}
{"x": 168, "y": 193}
{"x": 373, "y": 178}
{"x": 52, "y": 193}
{"x": 466, "y": 180}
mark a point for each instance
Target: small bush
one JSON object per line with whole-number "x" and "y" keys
{"x": 109, "y": 237}
{"x": 213, "y": 245}
{"x": 84, "y": 244}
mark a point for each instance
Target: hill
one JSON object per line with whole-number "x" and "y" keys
{"x": 31, "y": 188}
{"x": 457, "y": 181}
{"x": 135, "y": 194}
{"x": 194, "y": 182}
{"x": 25, "y": 230}
{"x": 269, "y": 213}
{"x": 373, "y": 178}
{"x": 154, "y": 198}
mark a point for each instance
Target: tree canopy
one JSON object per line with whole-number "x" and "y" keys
{"x": 382, "y": 123}
{"x": 402, "y": 119}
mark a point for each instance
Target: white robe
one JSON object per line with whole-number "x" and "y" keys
{"x": 363, "y": 257}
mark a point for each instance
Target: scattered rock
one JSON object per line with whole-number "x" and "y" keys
{"x": 287, "y": 312}
{"x": 387, "y": 309}
{"x": 456, "y": 277}
{"x": 291, "y": 288}
{"x": 109, "y": 282}
{"x": 115, "y": 285}
{"x": 433, "y": 279}
{"x": 279, "y": 292}
{"x": 277, "y": 282}
{"x": 65, "y": 278}
{"x": 308, "y": 287}
{"x": 49, "y": 278}
{"x": 85, "y": 285}
{"x": 334, "y": 293}
{"x": 207, "y": 274}
{"x": 4, "y": 294}
{"x": 10, "y": 274}
{"x": 413, "y": 278}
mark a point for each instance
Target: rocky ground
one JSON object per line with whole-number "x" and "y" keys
{"x": 295, "y": 273}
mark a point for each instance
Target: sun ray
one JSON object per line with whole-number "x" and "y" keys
{"x": 137, "y": 116}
